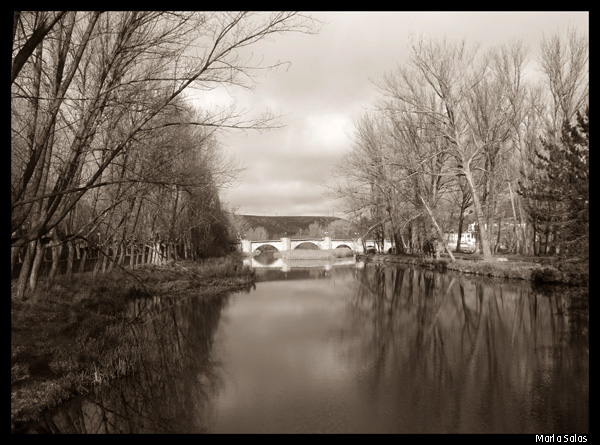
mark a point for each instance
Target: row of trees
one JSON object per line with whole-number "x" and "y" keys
{"x": 106, "y": 150}
{"x": 460, "y": 134}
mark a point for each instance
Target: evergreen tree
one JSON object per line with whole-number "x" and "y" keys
{"x": 559, "y": 195}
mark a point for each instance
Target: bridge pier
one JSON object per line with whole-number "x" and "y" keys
{"x": 286, "y": 243}
{"x": 358, "y": 246}
{"x": 246, "y": 245}
{"x": 327, "y": 243}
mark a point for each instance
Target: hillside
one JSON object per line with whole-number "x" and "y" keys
{"x": 277, "y": 226}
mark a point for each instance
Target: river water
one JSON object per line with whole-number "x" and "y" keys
{"x": 348, "y": 347}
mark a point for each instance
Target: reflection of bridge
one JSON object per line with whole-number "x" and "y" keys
{"x": 285, "y": 265}
{"x": 321, "y": 243}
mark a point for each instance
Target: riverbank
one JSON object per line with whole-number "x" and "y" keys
{"x": 73, "y": 337}
{"x": 536, "y": 269}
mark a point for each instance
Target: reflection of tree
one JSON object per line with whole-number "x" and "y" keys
{"x": 172, "y": 392}
{"x": 552, "y": 381}
{"x": 468, "y": 354}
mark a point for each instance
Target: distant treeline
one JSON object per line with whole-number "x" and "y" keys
{"x": 257, "y": 227}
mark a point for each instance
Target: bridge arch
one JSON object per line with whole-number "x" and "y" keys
{"x": 343, "y": 246}
{"x": 308, "y": 245}
{"x": 266, "y": 248}
{"x": 287, "y": 243}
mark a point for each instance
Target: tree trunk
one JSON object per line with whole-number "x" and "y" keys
{"x": 515, "y": 221}
{"x": 555, "y": 244}
{"x": 151, "y": 254}
{"x": 483, "y": 236}
{"x": 499, "y": 233}
{"x": 546, "y": 236}
{"x": 440, "y": 234}
{"x": 412, "y": 236}
{"x": 122, "y": 254}
{"x": 404, "y": 247}
{"x": 112, "y": 259}
{"x": 106, "y": 259}
{"x": 461, "y": 220}
{"x": 14, "y": 256}
{"x": 82, "y": 261}
{"x": 99, "y": 260}
{"x": 25, "y": 268}
{"x": 524, "y": 227}
{"x": 132, "y": 256}
{"x": 155, "y": 253}
{"x": 187, "y": 245}
{"x": 70, "y": 259}
{"x": 56, "y": 251}
{"x": 35, "y": 267}
{"x": 536, "y": 242}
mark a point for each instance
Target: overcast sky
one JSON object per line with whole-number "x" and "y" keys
{"x": 328, "y": 86}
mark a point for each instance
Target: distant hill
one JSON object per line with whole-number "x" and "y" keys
{"x": 277, "y": 226}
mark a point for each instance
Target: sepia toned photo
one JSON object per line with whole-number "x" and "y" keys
{"x": 300, "y": 222}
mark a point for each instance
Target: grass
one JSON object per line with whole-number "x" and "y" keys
{"x": 74, "y": 336}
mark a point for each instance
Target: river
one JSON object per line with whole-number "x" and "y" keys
{"x": 349, "y": 347}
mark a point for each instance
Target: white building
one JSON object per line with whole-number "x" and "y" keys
{"x": 467, "y": 238}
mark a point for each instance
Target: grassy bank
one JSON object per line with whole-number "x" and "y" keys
{"x": 74, "y": 336}
{"x": 538, "y": 269}
{"x": 314, "y": 254}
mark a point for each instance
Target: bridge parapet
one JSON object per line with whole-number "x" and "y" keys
{"x": 327, "y": 243}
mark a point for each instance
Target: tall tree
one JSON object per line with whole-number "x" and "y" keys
{"x": 563, "y": 92}
{"x": 97, "y": 83}
{"x": 565, "y": 186}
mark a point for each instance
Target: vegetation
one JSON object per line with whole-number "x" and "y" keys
{"x": 459, "y": 136}
{"x": 114, "y": 172}
{"x": 107, "y": 152}
{"x": 256, "y": 227}
{"x": 76, "y": 335}
{"x": 559, "y": 199}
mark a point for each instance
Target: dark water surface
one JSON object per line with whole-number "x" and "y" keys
{"x": 352, "y": 348}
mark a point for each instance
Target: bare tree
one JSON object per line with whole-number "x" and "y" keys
{"x": 448, "y": 72}
{"x": 98, "y": 81}
{"x": 564, "y": 60}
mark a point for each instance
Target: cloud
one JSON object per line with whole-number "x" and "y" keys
{"x": 327, "y": 87}
{"x": 281, "y": 197}
{"x": 324, "y": 132}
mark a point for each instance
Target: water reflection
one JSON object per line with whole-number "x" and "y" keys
{"x": 267, "y": 261}
{"x": 353, "y": 349}
{"x": 452, "y": 353}
{"x": 172, "y": 392}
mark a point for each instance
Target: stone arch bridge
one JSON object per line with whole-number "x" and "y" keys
{"x": 321, "y": 243}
